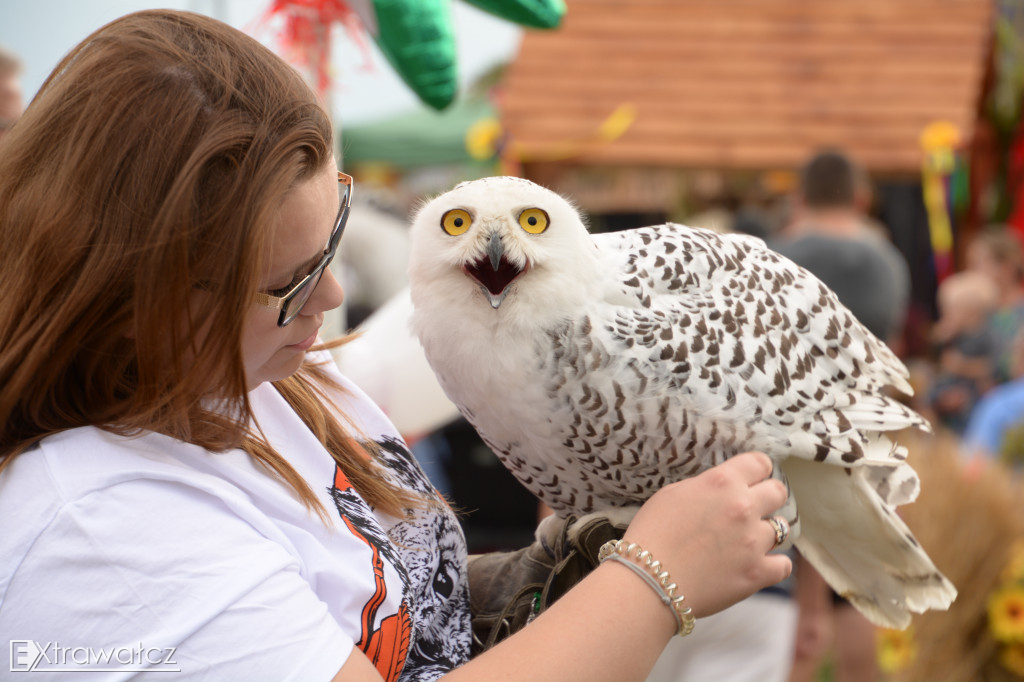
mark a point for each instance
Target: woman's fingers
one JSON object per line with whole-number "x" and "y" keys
{"x": 768, "y": 495}
{"x": 753, "y": 467}
{"x": 777, "y": 568}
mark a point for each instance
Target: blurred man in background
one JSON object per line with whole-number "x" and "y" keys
{"x": 832, "y": 235}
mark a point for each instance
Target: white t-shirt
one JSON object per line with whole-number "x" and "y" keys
{"x": 151, "y": 554}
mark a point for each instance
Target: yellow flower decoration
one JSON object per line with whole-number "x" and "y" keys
{"x": 1012, "y": 658}
{"x": 483, "y": 137}
{"x": 1006, "y": 614}
{"x": 939, "y": 135}
{"x": 896, "y": 649}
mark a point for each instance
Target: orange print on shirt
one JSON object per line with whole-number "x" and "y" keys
{"x": 388, "y": 645}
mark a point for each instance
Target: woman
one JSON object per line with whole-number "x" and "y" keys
{"x": 183, "y": 470}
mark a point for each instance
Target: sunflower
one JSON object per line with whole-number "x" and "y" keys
{"x": 1006, "y": 614}
{"x": 896, "y": 649}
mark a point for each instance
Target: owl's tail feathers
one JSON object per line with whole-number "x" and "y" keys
{"x": 882, "y": 413}
{"x": 861, "y": 547}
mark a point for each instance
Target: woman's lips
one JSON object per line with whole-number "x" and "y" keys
{"x": 306, "y": 343}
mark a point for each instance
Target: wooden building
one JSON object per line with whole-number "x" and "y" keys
{"x": 737, "y": 87}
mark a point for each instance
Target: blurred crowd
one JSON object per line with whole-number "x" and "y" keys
{"x": 970, "y": 378}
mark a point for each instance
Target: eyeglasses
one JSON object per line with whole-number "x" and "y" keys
{"x": 291, "y": 303}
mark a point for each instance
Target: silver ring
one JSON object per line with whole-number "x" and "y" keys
{"x": 781, "y": 528}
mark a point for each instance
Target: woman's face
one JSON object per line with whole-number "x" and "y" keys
{"x": 300, "y": 233}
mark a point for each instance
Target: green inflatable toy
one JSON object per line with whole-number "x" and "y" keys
{"x": 418, "y": 40}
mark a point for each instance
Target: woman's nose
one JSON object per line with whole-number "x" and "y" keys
{"x": 328, "y": 295}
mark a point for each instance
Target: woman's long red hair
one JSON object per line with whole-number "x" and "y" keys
{"x": 147, "y": 168}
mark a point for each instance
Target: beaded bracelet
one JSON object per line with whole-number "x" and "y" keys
{"x": 643, "y": 564}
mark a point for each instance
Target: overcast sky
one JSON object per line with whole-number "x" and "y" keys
{"x": 42, "y": 31}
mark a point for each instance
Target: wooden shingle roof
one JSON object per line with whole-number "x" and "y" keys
{"x": 749, "y": 84}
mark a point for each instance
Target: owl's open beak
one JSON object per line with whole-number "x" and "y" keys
{"x": 494, "y": 272}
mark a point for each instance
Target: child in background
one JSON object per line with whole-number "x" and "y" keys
{"x": 965, "y": 347}
{"x": 996, "y": 427}
{"x": 997, "y": 253}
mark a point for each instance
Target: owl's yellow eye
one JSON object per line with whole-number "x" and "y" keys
{"x": 533, "y": 220}
{"x": 456, "y": 221}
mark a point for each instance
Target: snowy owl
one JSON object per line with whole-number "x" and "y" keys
{"x": 601, "y": 367}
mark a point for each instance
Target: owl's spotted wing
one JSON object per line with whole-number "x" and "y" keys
{"x": 759, "y": 340}
{"x": 688, "y": 359}
{"x": 707, "y": 346}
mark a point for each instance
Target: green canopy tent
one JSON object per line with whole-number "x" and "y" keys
{"x": 419, "y": 138}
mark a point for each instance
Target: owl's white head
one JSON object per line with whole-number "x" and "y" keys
{"x": 502, "y": 241}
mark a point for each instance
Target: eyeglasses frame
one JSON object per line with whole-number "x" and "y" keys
{"x": 281, "y": 302}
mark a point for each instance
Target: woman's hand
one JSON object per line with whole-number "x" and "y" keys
{"x": 710, "y": 532}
